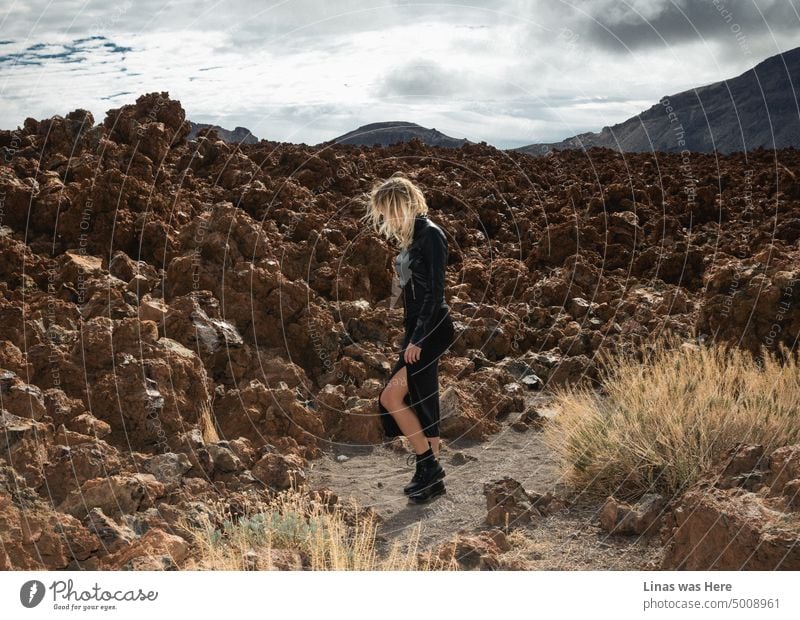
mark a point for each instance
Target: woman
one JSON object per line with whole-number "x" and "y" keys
{"x": 409, "y": 402}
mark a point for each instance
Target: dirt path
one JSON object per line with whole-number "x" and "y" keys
{"x": 566, "y": 540}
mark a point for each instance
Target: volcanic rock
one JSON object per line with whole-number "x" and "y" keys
{"x": 740, "y": 515}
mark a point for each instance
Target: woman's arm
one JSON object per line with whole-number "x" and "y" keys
{"x": 434, "y": 254}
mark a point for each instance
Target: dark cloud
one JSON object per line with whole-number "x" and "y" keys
{"x": 635, "y": 25}
{"x": 36, "y": 19}
{"x": 421, "y": 78}
{"x": 295, "y": 25}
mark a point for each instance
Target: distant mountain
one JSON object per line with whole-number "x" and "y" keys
{"x": 757, "y": 108}
{"x": 390, "y": 132}
{"x": 239, "y": 135}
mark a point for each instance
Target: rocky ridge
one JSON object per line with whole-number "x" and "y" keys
{"x": 183, "y": 320}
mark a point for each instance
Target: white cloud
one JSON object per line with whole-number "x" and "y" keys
{"x": 505, "y": 71}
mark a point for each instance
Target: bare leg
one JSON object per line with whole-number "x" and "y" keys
{"x": 392, "y": 398}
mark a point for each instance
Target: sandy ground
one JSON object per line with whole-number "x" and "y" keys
{"x": 567, "y": 540}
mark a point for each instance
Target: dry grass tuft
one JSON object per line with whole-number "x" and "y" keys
{"x": 295, "y": 523}
{"x": 659, "y": 422}
{"x": 207, "y": 427}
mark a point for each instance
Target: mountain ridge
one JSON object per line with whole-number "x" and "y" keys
{"x": 725, "y": 116}
{"x": 238, "y": 135}
{"x": 387, "y": 133}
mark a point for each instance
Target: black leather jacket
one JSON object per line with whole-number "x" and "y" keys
{"x": 423, "y": 294}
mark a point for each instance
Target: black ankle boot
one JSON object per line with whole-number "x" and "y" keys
{"x": 428, "y": 493}
{"x": 417, "y": 478}
{"x": 430, "y": 483}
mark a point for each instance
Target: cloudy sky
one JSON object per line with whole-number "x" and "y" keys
{"x": 510, "y": 72}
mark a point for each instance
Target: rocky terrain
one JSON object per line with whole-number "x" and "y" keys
{"x": 742, "y": 515}
{"x": 237, "y": 135}
{"x": 755, "y": 109}
{"x": 185, "y": 320}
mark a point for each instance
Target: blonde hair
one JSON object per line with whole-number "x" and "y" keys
{"x": 392, "y": 206}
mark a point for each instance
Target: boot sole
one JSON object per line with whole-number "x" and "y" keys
{"x": 439, "y": 477}
{"x": 440, "y": 490}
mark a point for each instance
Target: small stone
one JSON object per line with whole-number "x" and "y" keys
{"x": 641, "y": 518}
{"x": 250, "y": 560}
{"x": 529, "y": 419}
{"x": 459, "y": 458}
{"x": 399, "y": 444}
{"x": 532, "y": 382}
{"x": 519, "y": 426}
{"x": 342, "y": 458}
{"x": 507, "y": 503}
{"x": 225, "y": 460}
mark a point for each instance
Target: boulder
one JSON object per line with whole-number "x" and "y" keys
{"x": 740, "y": 515}
{"x": 643, "y": 518}
{"x": 508, "y": 505}
{"x": 35, "y": 537}
{"x": 154, "y": 550}
{"x": 115, "y": 495}
{"x": 278, "y": 471}
{"x": 20, "y": 398}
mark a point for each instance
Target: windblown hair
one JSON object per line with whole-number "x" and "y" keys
{"x": 392, "y": 206}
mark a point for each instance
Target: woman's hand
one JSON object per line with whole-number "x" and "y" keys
{"x": 412, "y": 353}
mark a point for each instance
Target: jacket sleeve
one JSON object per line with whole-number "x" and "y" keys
{"x": 434, "y": 255}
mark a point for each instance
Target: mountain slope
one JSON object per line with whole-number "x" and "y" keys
{"x": 756, "y": 108}
{"x": 391, "y": 132}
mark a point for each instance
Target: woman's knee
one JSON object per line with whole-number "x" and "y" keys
{"x": 387, "y": 398}
{"x": 395, "y": 390}
{"x": 392, "y": 396}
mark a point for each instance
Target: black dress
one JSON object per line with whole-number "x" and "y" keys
{"x": 434, "y": 331}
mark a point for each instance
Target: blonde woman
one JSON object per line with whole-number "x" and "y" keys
{"x": 409, "y": 402}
